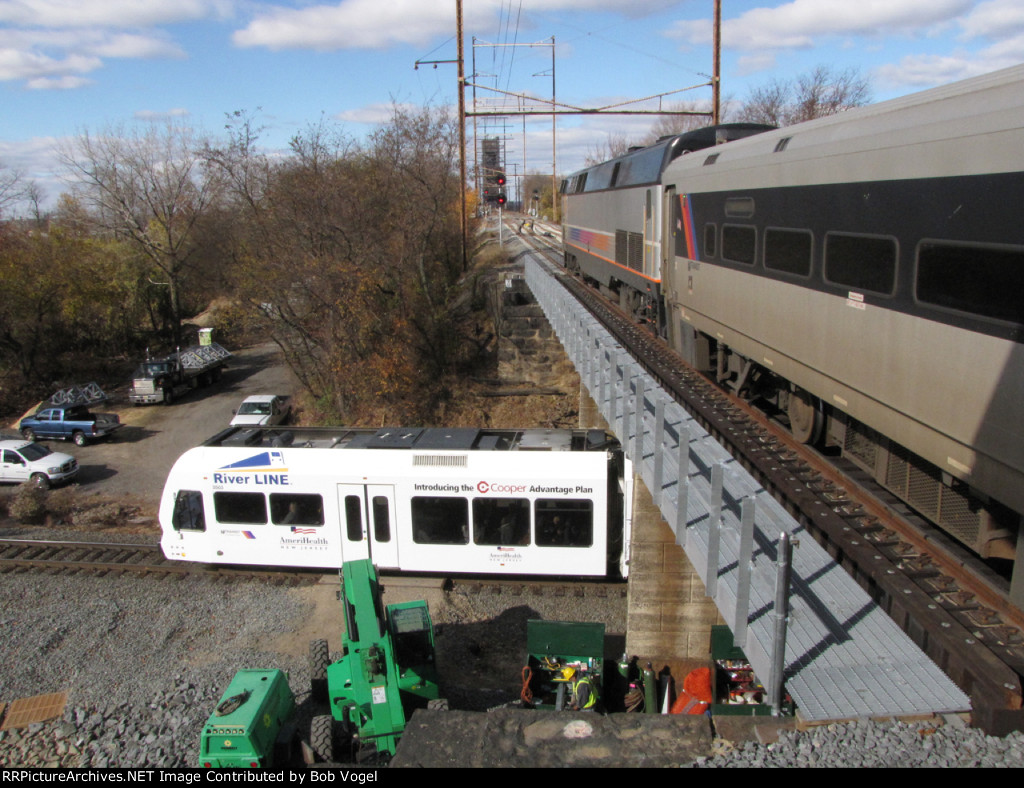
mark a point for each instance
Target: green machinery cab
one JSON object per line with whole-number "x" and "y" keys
{"x": 387, "y": 669}
{"x": 253, "y": 725}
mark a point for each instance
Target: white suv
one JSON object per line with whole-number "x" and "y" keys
{"x": 23, "y": 462}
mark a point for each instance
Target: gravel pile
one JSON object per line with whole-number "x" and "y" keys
{"x": 879, "y": 745}
{"x": 144, "y": 662}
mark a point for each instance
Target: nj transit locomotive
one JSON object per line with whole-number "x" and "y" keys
{"x": 863, "y": 272}
{"x": 530, "y": 502}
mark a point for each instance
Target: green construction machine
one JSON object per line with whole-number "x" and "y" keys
{"x": 386, "y": 670}
{"x": 253, "y": 726}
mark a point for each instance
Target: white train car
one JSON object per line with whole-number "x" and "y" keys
{"x": 527, "y": 502}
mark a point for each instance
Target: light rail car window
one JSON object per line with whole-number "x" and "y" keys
{"x": 381, "y": 518}
{"x": 861, "y": 262}
{"x": 440, "y": 520}
{"x": 244, "y": 508}
{"x": 354, "y": 518}
{"x": 788, "y": 251}
{"x": 189, "y": 513}
{"x": 500, "y": 521}
{"x": 739, "y": 244}
{"x": 562, "y": 523}
{"x": 296, "y": 509}
{"x": 984, "y": 281}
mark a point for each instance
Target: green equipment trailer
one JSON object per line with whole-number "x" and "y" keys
{"x": 386, "y": 671}
{"x": 253, "y": 725}
{"x": 560, "y": 654}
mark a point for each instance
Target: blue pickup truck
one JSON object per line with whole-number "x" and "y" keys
{"x": 75, "y": 423}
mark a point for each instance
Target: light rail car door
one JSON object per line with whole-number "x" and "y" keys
{"x": 368, "y": 524}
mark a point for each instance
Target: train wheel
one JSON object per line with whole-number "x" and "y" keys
{"x": 319, "y": 659}
{"x": 806, "y": 416}
{"x": 321, "y": 737}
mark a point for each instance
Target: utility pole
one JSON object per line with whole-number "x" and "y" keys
{"x": 716, "y": 74}
{"x": 462, "y": 137}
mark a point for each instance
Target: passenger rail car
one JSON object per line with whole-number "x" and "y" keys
{"x": 529, "y": 502}
{"x": 865, "y": 272}
{"x": 612, "y": 215}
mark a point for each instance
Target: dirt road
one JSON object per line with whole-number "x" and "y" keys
{"x": 135, "y": 463}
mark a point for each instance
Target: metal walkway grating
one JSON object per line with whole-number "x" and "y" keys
{"x": 845, "y": 657}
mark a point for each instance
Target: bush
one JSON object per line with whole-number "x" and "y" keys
{"x": 29, "y": 504}
{"x": 101, "y": 515}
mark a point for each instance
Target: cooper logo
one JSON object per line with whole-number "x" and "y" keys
{"x": 486, "y": 487}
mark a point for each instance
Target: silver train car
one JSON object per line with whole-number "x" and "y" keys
{"x": 613, "y": 233}
{"x": 865, "y": 274}
{"x": 451, "y": 501}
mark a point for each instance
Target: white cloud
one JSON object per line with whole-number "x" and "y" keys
{"x": 378, "y": 24}
{"x": 354, "y": 24}
{"x": 66, "y": 82}
{"x": 52, "y": 58}
{"x": 995, "y": 19}
{"x": 921, "y": 71}
{"x": 801, "y": 24}
{"x": 153, "y": 116}
{"x": 108, "y": 13}
{"x": 18, "y": 63}
{"x": 135, "y": 46}
{"x": 374, "y": 114}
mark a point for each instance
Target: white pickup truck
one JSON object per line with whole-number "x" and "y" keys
{"x": 21, "y": 461}
{"x": 262, "y": 410}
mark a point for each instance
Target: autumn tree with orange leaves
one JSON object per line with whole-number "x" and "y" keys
{"x": 347, "y": 255}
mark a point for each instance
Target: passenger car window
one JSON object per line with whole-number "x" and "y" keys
{"x": 440, "y": 520}
{"x": 243, "y": 508}
{"x": 982, "y": 280}
{"x": 381, "y": 508}
{"x": 861, "y": 262}
{"x": 500, "y": 521}
{"x": 189, "y": 514}
{"x": 562, "y": 523}
{"x": 788, "y": 251}
{"x": 296, "y": 509}
{"x": 739, "y": 243}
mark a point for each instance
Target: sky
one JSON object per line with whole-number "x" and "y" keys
{"x": 73, "y": 66}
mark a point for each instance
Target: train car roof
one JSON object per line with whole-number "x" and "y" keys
{"x": 968, "y": 127}
{"x": 418, "y": 438}
{"x": 643, "y": 165}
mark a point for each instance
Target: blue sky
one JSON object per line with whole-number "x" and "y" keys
{"x": 67, "y": 66}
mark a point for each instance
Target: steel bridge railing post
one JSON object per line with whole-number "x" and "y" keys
{"x": 743, "y": 572}
{"x": 783, "y": 577}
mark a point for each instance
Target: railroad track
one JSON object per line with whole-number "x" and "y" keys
{"x": 108, "y": 558}
{"x": 949, "y": 602}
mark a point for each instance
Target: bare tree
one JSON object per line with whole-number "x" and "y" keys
{"x": 669, "y": 125}
{"x": 614, "y": 145}
{"x": 152, "y": 187}
{"x": 816, "y": 94}
{"x": 14, "y": 188}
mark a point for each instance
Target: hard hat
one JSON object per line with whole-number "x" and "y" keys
{"x": 568, "y": 673}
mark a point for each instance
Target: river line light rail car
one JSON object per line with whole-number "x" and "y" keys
{"x": 861, "y": 273}
{"x": 471, "y": 501}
